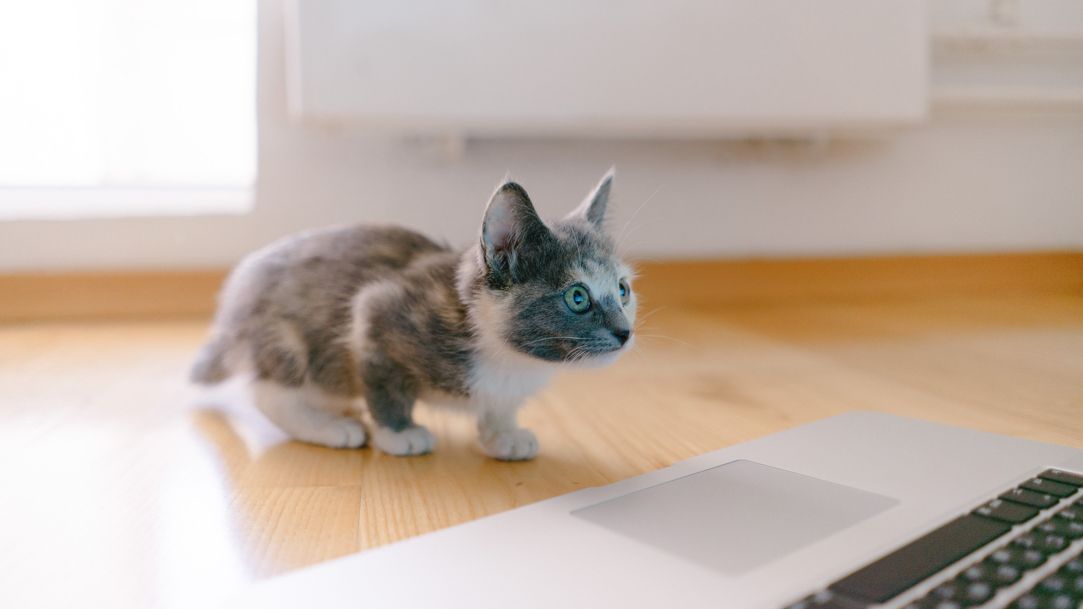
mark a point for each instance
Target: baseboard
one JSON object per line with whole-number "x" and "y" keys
{"x": 31, "y": 297}
{"x": 895, "y": 277}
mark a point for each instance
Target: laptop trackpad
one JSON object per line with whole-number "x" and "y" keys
{"x": 737, "y": 516}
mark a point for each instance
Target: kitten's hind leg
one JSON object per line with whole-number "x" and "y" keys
{"x": 309, "y": 415}
{"x": 211, "y": 365}
{"x": 396, "y": 433}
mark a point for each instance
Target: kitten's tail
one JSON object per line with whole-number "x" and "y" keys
{"x": 211, "y": 366}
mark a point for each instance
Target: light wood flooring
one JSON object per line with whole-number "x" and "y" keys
{"x": 124, "y": 488}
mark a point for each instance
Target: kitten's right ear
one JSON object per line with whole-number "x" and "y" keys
{"x": 592, "y": 209}
{"x": 511, "y": 231}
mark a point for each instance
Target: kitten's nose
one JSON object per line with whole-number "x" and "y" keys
{"x": 622, "y": 335}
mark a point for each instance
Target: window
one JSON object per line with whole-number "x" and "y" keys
{"x": 127, "y": 107}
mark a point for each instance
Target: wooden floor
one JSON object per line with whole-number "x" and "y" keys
{"x": 123, "y": 488}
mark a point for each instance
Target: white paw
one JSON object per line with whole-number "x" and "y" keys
{"x": 415, "y": 440}
{"x": 339, "y": 433}
{"x": 513, "y": 445}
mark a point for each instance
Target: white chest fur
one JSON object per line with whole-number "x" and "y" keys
{"x": 497, "y": 385}
{"x": 503, "y": 379}
{"x": 500, "y": 377}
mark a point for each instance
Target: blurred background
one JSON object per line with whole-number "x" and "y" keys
{"x": 835, "y": 205}
{"x": 163, "y": 135}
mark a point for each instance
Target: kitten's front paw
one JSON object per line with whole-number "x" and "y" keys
{"x": 514, "y": 445}
{"x": 335, "y": 433}
{"x": 415, "y": 440}
{"x": 352, "y": 434}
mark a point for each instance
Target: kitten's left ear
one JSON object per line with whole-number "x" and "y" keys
{"x": 592, "y": 209}
{"x": 511, "y": 232}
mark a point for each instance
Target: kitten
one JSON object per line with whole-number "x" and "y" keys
{"x": 325, "y": 319}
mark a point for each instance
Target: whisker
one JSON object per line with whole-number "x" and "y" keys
{"x": 620, "y": 236}
{"x": 637, "y": 349}
{"x": 644, "y": 258}
{"x": 665, "y": 337}
{"x": 644, "y": 317}
{"x": 639, "y": 243}
{"x": 635, "y": 228}
{"x": 638, "y": 328}
{"x": 553, "y": 338}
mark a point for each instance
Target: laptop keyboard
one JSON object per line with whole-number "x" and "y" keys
{"x": 1024, "y": 553}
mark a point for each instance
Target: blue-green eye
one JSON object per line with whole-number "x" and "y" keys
{"x": 578, "y": 298}
{"x": 625, "y": 292}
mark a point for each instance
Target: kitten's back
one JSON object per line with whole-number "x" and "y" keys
{"x": 303, "y": 283}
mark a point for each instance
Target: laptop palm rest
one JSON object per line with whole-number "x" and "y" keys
{"x": 738, "y": 516}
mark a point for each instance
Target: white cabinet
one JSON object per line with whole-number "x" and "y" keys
{"x": 609, "y": 68}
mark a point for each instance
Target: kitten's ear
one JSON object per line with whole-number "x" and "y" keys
{"x": 511, "y": 230}
{"x": 592, "y": 209}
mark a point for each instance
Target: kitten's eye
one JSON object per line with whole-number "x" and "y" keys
{"x": 625, "y": 293}
{"x": 578, "y": 298}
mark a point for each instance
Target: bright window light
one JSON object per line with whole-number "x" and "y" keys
{"x": 127, "y": 107}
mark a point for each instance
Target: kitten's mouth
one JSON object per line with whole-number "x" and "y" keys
{"x": 598, "y": 360}
{"x": 595, "y": 354}
{"x": 602, "y": 357}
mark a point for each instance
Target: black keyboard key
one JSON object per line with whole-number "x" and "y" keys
{"x": 1005, "y": 575}
{"x": 976, "y": 573}
{"x": 1018, "y": 557}
{"x": 1058, "y": 476}
{"x": 1071, "y": 512}
{"x": 977, "y": 593}
{"x": 1059, "y": 591}
{"x": 1072, "y": 529}
{"x": 1028, "y": 497}
{"x": 990, "y": 573}
{"x": 1059, "y": 601}
{"x": 1073, "y": 583}
{"x": 919, "y": 559}
{"x": 1046, "y": 544}
{"x": 1048, "y": 601}
{"x": 963, "y": 591}
{"x": 1007, "y": 511}
{"x": 1052, "y": 544}
{"x": 1054, "y": 584}
{"x": 1027, "y": 601}
{"x": 1049, "y": 487}
{"x": 947, "y": 590}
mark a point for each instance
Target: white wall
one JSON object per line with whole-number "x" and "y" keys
{"x": 970, "y": 181}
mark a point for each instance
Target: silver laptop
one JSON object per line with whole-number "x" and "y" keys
{"x": 854, "y": 511}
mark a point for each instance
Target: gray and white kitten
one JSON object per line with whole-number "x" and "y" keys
{"x": 326, "y": 320}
